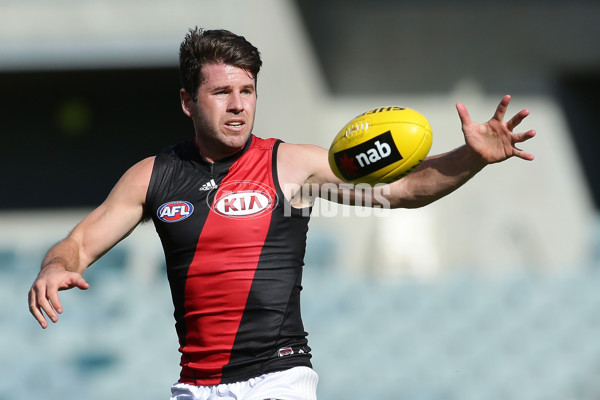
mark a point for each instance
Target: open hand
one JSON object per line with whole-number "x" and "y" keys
{"x": 495, "y": 140}
{"x": 43, "y": 295}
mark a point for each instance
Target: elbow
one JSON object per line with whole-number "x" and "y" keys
{"x": 410, "y": 203}
{"x": 404, "y": 194}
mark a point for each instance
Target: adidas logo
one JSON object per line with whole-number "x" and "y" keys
{"x": 208, "y": 185}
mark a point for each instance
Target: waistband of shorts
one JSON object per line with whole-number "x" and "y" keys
{"x": 194, "y": 377}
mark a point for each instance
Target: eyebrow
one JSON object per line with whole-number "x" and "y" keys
{"x": 229, "y": 87}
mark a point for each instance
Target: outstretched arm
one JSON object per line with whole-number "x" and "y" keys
{"x": 487, "y": 143}
{"x": 65, "y": 262}
{"x": 491, "y": 142}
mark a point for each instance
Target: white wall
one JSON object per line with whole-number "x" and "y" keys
{"x": 518, "y": 213}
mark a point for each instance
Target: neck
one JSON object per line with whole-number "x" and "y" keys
{"x": 214, "y": 155}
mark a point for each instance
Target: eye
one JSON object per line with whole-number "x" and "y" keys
{"x": 221, "y": 91}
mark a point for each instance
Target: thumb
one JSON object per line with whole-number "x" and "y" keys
{"x": 463, "y": 114}
{"x": 81, "y": 283}
{"x": 75, "y": 280}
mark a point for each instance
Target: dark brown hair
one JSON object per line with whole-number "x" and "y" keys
{"x": 202, "y": 46}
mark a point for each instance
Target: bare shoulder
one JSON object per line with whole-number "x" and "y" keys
{"x": 304, "y": 163}
{"x": 142, "y": 169}
{"x": 139, "y": 173}
{"x": 133, "y": 185}
{"x": 294, "y": 150}
{"x": 296, "y": 163}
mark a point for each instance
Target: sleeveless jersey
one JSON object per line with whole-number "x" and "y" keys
{"x": 234, "y": 250}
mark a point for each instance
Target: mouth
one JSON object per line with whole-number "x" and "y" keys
{"x": 235, "y": 125}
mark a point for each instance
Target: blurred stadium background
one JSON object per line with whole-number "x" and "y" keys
{"x": 491, "y": 293}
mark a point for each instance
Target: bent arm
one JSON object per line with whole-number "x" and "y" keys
{"x": 103, "y": 228}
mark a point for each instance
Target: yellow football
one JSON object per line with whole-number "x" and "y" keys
{"x": 380, "y": 146}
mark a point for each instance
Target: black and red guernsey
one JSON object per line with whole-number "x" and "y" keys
{"x": 234, "y": 251}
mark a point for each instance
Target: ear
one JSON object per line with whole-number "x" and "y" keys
{"x": 187, "y": 102}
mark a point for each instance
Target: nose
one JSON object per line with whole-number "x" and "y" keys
{"x": 236, "y": 103}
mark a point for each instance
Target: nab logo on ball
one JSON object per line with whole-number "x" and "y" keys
{"x": 367, "y": 157}
{"x": 175, "y": 211}
{"x": 243, "y": 200}
{"x": 380, "y": 146}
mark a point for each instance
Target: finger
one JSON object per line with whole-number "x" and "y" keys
{"x": 53, "y": 297}
{"x": 55, "y": 303}
{"x": 36, "y": 311}
{"x": 517, "y": 119}
{"x": 519, "y": 138}
{"x": 522, "y": 137}
{"x": 502, "y": 107}
{"x": 43, "y": 303}
{"x": 463, "y": 114}
{"x": 523, "y": 154}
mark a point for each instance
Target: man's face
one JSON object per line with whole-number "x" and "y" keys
{"x": 223, "y": 113}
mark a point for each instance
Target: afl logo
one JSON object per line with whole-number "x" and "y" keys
{"x": 251, "y": 201}
{"x": 175, "y": 211}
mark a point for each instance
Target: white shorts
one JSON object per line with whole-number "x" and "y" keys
{"x": 298, "y": 383}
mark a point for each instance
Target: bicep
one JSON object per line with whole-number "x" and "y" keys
{"x": 306, "y": 174}
{"x": 326, "y": 185}
{"x": 319, "y": 170}
{"x": 117, "y": 216}
{"x": 302, "y": 170}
